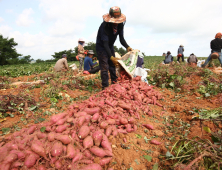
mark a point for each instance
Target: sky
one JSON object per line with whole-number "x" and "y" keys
{"x": 42, "y": 27}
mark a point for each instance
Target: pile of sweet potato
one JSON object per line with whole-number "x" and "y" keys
{"x": 73, "y": 139}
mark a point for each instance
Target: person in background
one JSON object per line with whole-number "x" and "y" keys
{"x": 180, "y": 53}
{"x": 216, "y": 46}
{"x": 140, "y": 60}
{"x": 111, "y": 27}
{"x": 89, "y": 65}
{"x": 61, "y": 64}
{"x": 168, "y": 58}
{"x": 192, "y": 59}
{"x": 81, "y": 52}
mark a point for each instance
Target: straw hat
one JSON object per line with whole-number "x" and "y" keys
{"x": 91, "y": 52}
{"x": 181, "y": 45}
{"x": 115, "y": 15}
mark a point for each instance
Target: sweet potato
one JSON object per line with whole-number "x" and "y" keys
{"x": 48, "y": 129}
{"x": 16, "y": 164}
{"x": 108, "y": 153}
{"x": 88, "y": 118}
{"x": 111, "y": 121}
{"x": 103, "y": 125}
{"x": 30, "y": 160}
{"x": 65, "y": 139}
{"x": 57, "y": 149}
{"x": 98, "y": 151}
{"x": 92, "y": 111}
{"x": 38, "y": 149}
{"x": 57, "y": 117}
{"x": 70, "y": 119}
{"x": 95, "y": 117}
{"x": 20, "y": 154}
{"x": 109, "y": 131}
{"x": 61, "y": 121}
{"x": 61, "y": 128}
{"x": 81, "y": 120}
{"x": 148, "y": 126}
{"x": 115, "y": 132}
{"x": 124, "y": 106}
{"x": 41, "y": 135}
{"x": 108, "y": 102}
{"x": 41, "y": 167}
{"x": 131, "y": 120}
{"x": 155, "y": 142}
{"x": 106, "y": 144}
{"x": 58, "y": 164}
{"x": 93, "y": 166}
{"x": 88, "y": 142}
{"x": 105, "y": 161}
{"x": 128, "y": 128}
{"x": 123, "y": 121}
{"x": 87, "y": 154}
{"x": 83, "y": 132}
{"x": 121, "y": 131}
{"x": 10, "y": 158}
{"x": 78, "y": 114}
{"x": 70, "y": 151}
{"x": 51, "y": 136}
{"x": 77, "y": 157}
{"x": 97, "y": 137}
{"x": 135, "y": 128}
{"x": 86, "y": 161}
{"x": 31, "y": 129}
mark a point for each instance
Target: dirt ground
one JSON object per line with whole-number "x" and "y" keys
{"x": 129, "y": 149}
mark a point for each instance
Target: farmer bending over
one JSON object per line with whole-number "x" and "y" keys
{"x": 168, "y": 58}
{"x": 192, "y": 60}
{"x": 61, "y": 64}
{"x": 89, "y": 65}
{"x": 111, "y": 27}
{"x": 180, "y": 53}
{"x": 216, "y": 46}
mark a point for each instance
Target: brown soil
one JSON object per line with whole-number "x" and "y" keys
{"x": 128, "y": 149}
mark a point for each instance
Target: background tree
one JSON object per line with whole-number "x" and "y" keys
{"x": 8, "y": 53}
{"x": 25, "y": 60}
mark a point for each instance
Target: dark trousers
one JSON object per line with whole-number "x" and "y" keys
{"x": 106, "y": 65}
{"x": 94, "y": 70}
{"x": 178, "y": 58}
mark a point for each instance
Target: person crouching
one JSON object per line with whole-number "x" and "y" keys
{"x": 61, "y": 64}
{"x": 89, "y": 65}
{"x": 192, "y": 59}
{"x": 168, "y": 58}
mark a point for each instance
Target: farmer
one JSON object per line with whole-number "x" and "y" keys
{"x": 216, "y": 46}
{"x": 89, "y": 65}
{"x": 140, "y": 60}
{"x": 168, "y": 58}
{"x": 192, "y": 59}
{"x": 180, "y": 53}
{"x": 111, "y": 27}
{"x": 61, "y": 64}
{"x": 81, "y": 52}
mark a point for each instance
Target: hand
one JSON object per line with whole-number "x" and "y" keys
{"x": 129, "y": 49}
{"x": 115, "y": 61}
{"x": 97, "y": 61}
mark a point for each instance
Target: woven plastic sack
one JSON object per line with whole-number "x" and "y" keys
{"x": 128, "y": 62}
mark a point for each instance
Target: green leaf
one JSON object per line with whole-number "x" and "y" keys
{"x": 138, "y": 136}
{"x": 207, "y": 129}
{"x": 130, "y": 168}
{"x": 215, "y": 139}
{"x": 43, "y": 129}
{"x": 172, "y": 84}
{"x": 148, "y": 158}
{"x": 207, "y": 95}
{"x": 32, "y": 108}
{"x": 168, "y": 154}
{"x": 5, "y": 130}
{"x": 11, "y": 115}
{"x": 155, "y": 166}
{"x": 146, "y": 139}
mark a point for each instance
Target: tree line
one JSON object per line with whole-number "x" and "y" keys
{"x": 9, "y": 55}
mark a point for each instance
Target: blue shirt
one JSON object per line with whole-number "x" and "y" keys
{"x": 88, "y": 63}
{"x": 180, "y": 50}
{"x": 105, "y": 33}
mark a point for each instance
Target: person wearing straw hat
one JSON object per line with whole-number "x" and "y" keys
{"x": 180, "y": 53}
{"x": 89, "y": 65}
{"x": 61, "y": 64}
{"x": 81, "y": 52}
{"x": 216, "y": 46}
{"x": 111, "y": 27}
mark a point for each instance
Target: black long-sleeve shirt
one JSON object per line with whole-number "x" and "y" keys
{"x": 216, "y": 44}
{"x": 106, "y": 38}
